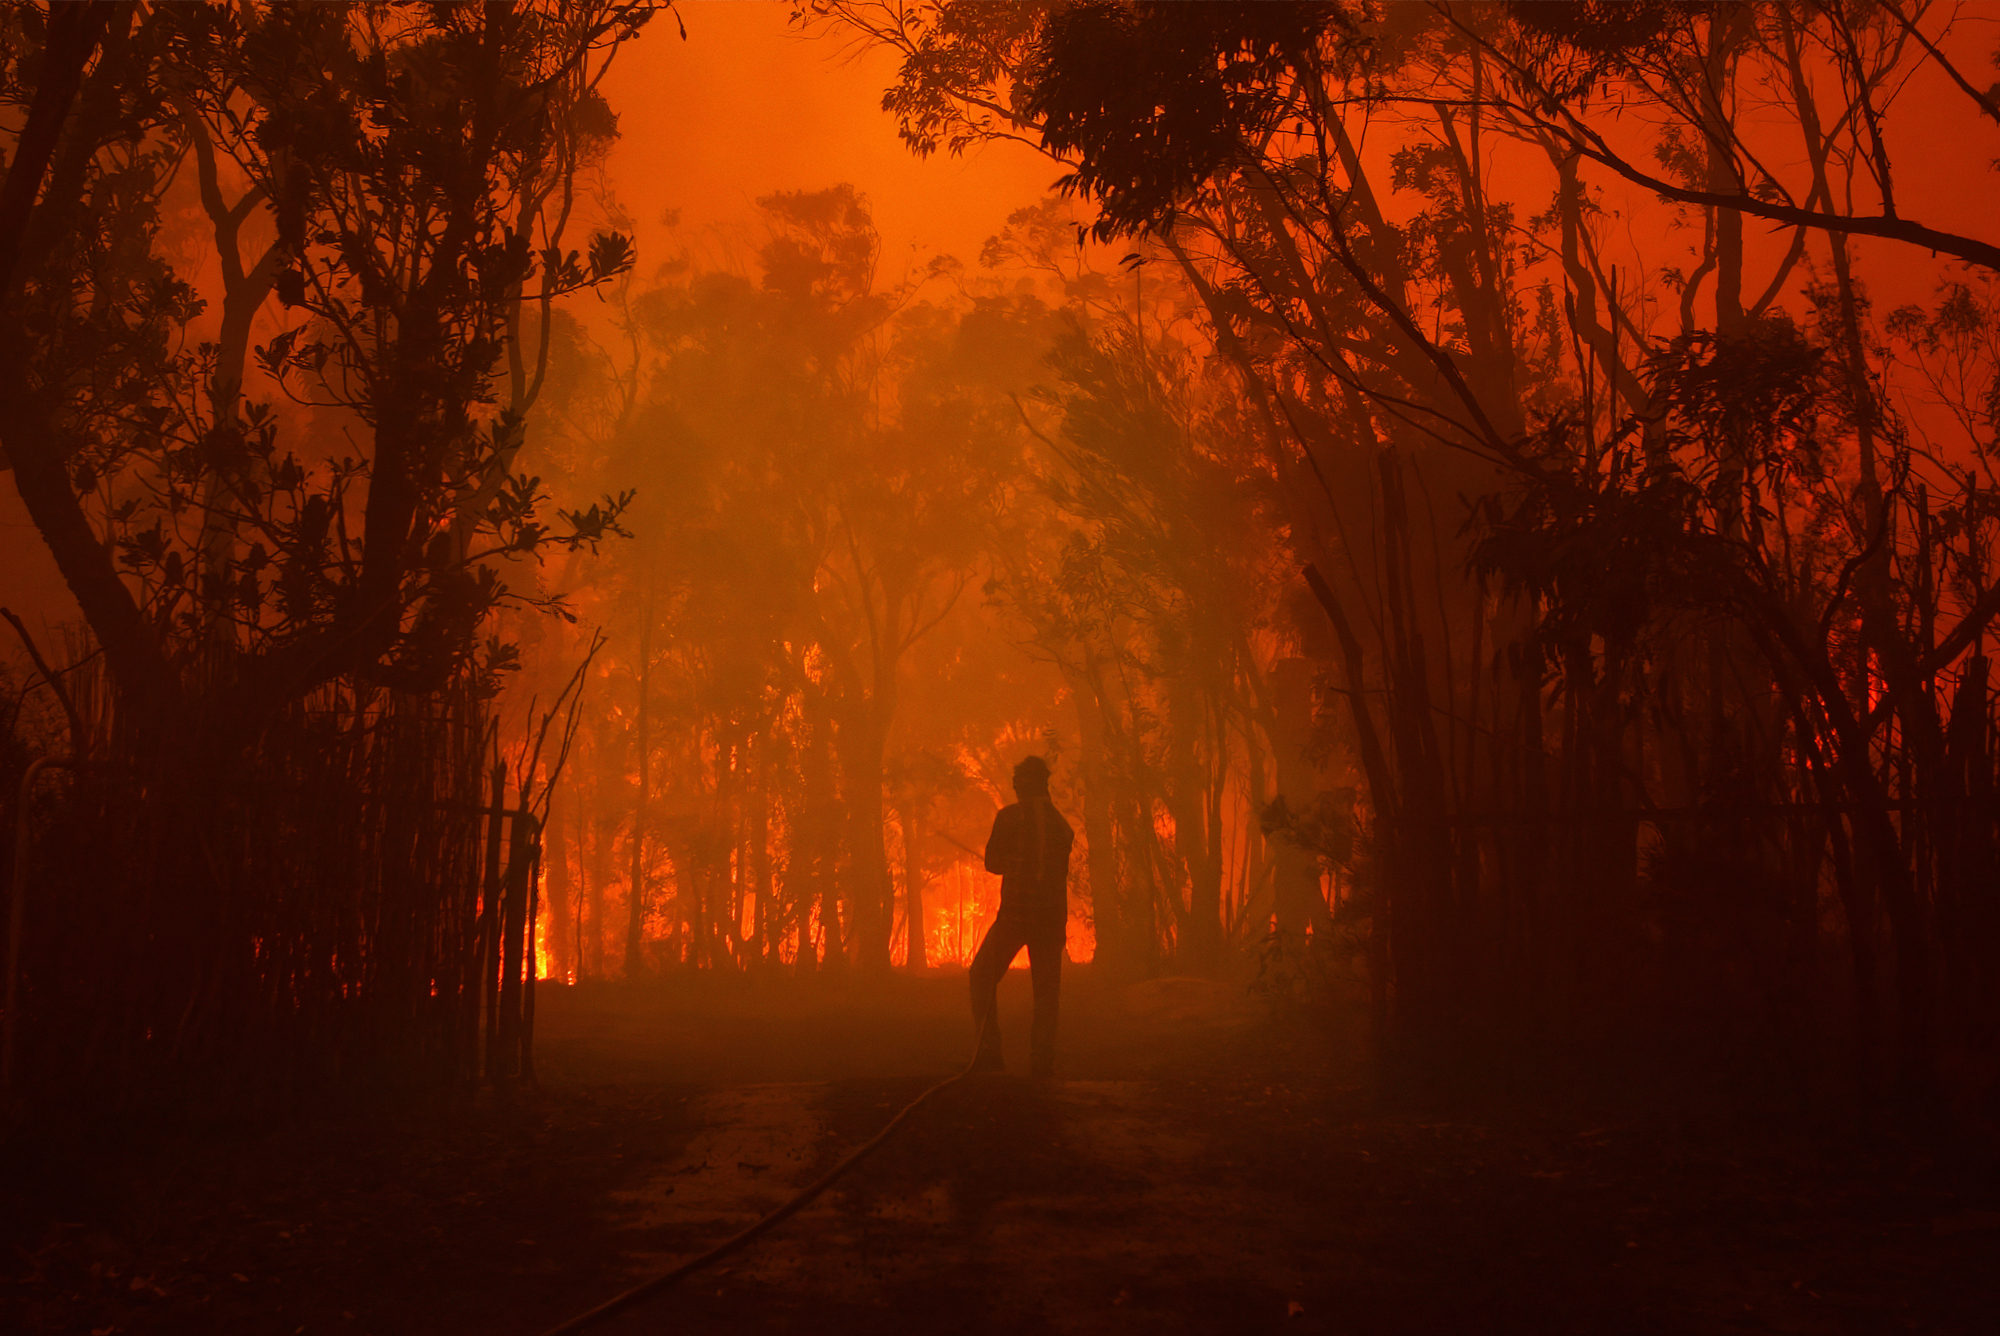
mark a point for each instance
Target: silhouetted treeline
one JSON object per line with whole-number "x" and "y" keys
{"x": 1488, "y": 507}
{"x": 274, "y": 455}
{"x": 1655, "y": 588}
{"x": 891, "y": 534}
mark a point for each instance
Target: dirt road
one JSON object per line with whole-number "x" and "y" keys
{"x": 1200, "y": 1167}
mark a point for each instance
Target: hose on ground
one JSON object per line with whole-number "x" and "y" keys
{"x": 803, "y": 1198}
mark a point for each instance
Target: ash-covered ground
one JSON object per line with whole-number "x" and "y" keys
{"x": 1204, "y": 1163}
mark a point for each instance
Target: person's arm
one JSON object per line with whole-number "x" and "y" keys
{"x": 1000, "y": 844}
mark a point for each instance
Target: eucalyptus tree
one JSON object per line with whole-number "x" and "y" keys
{"x": 401, "y": 244}
{"x": 286, "y": 551}
{"x": 812, "y": 511}
{"x": 1549, "y": 536}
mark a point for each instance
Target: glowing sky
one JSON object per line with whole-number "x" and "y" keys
{"x": 747, "y": 105}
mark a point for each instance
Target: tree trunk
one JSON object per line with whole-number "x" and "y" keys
{"x": 513, "y": 949}
{"x": 590, "y": 951}
{"x": 861, "y": 743}
{"x": 490, "y": 915}
{"x": 1727, "y": 31}
{"x": 1296, "y": 898}
{"x": 915, "y": 958}
{"x": 635, "y": 910}
{"x": 767, "y": 920}
{"x": 1115, "y": 947}
{"x": 821, "y": 840}
{"x": 556, "y": 858}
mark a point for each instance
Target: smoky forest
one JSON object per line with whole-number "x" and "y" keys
{"x": 836, "y": 666}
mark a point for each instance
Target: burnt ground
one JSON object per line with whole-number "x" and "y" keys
{"x": 1204, "y": 1165}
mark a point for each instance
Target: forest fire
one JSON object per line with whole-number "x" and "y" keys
{"x": 1086, "y": 665}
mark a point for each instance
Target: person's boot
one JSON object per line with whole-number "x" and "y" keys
{"x": 988, "y": 1058}
{"x": 1042, "y": 1044}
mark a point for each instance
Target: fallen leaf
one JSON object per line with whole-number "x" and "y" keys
{"x": 1295, "y": 1309}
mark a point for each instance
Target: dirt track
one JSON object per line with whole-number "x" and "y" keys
{"x": 1200, "y": 1168}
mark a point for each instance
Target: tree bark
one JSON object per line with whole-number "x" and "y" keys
{"x": 556, "y": 859}
{"x": 635, "y": 911}
{"x": 916, "y": 956}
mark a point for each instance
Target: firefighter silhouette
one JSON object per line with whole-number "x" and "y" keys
{"x": 1029, "y": 848}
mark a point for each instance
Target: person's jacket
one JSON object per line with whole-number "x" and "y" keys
{"x": 1029, "y": 848}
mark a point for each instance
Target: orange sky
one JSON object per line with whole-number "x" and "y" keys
{"x": 746, "y": 106}
{"x": 743, "y": 107}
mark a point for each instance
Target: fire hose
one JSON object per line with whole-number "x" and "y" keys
{"x": 743, "y": 1238}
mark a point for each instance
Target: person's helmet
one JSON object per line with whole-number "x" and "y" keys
{"x": 1033, "y": 772}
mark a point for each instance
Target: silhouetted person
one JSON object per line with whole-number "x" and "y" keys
{"x": 1029, "y": 848}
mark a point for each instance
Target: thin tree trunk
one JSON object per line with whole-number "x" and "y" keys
{"x": 489, "y": 917}
{"x": 597, "y": 832}
{"x": 914, "y": 958}
{"x": 635, "y": 911}
{"x": 1115, "y": 946}
{"x": 872, "y": 894}
{"x": 556, "y": 858}
{"x": 767, "y": 920}
{"x": 528, "y": 984}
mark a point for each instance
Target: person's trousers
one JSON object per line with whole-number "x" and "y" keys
{"x": 1003, "y": 942}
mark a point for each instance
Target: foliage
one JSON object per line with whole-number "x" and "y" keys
{"x": 1605, "y": 589}
{"x": 402, "y": 247}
